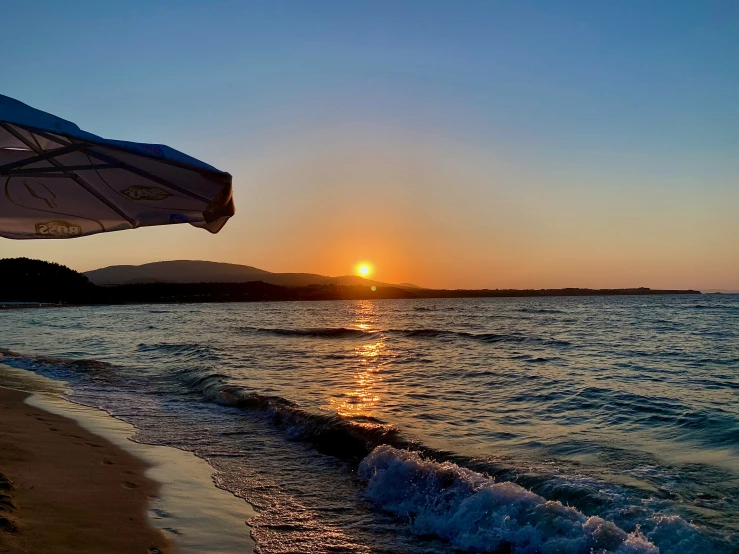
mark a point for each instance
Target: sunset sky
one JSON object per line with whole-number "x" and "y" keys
{"x": 449, "y": 144}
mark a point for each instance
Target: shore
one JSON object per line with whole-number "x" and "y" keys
{"x": 71, "y": 491}
{"x": 177, "y": 497}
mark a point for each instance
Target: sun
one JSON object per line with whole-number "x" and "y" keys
{"x": 363, "y": 269}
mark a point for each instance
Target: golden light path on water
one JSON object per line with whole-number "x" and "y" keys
{"x": 363, "y": 397}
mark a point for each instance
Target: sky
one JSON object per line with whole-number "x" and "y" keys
{"x": 462, "y": 144}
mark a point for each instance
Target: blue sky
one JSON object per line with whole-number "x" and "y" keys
{"x": 592, "y": 100}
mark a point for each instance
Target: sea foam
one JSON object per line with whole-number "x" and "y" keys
{"x": 475, "y": 513}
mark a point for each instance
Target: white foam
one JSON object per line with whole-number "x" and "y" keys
{"x": 475, "y": 513}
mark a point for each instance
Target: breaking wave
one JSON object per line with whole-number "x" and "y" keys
{"x": 475, "y": 513}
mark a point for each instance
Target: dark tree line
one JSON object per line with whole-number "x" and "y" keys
{"x": 26, "y": 280}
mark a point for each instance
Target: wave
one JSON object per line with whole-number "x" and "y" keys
{"x": 721, "y": 307}
{"x": 327, "y": 332}
{"x": 342, "y": 332}
{"x": 38, "y": 362}
{"x": 540, "y": 311}
{"x": 474, "y": 512}
{"x": 480, "y": 337}
{"x": 347, "y": 439}
{"x": 528, "y": 358}
{"x": 185, "y": 350}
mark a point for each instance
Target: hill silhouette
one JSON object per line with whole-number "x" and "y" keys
{"x": 192, "y": 271}
{"x": 26, "y": 280}
{"x": 33, "y": 281}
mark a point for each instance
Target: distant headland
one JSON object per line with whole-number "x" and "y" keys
{"x": 25, "y": 282}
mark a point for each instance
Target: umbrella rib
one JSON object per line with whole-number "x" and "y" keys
{"x": 76, "y": 178}
{"x": 131, "y": 169}
{"x": 38, "y": 170}
{"x": 41, "y": 157}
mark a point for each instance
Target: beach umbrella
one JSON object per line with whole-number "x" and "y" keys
{"x": 58, "y": 181}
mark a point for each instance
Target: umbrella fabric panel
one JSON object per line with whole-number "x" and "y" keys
{"x": 202, "y": 186}
{"x": 15, "y": 137}
{"x": 44, "y": 208}
{"x": 9, "y": 143}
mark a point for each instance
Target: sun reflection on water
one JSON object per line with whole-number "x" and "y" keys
{"x": 363, "y": 398}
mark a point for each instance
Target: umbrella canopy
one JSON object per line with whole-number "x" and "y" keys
{"x": 57, "y": 181}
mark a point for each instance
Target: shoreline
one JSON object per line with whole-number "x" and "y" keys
{"x": 71, "y": 491}
{"x": 240, "y": 297}
{"x": 181, "y": 505}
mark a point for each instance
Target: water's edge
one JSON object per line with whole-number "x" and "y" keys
{"x": 195, "y": 514}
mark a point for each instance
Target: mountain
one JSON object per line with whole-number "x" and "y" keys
{"x": 189, "y": 271}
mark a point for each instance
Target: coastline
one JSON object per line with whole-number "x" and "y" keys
{"x": 178, "y": 508}
{"x": 71, "y": 490}
{"x": 243, "y": 293}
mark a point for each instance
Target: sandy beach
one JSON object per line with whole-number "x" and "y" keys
{"x": 71, "y": 491}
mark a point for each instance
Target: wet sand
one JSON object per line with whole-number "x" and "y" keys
{"x": 72, "y": 491}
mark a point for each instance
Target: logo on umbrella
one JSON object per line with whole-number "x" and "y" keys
{"x": 146, "y": 193}
{"x": 62, "y": 229}
{"x": 41, "y": 191}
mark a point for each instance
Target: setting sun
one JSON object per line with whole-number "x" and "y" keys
{"x": 363, "y": 269}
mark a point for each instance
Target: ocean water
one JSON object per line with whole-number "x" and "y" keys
{"x": 568, "y": 425}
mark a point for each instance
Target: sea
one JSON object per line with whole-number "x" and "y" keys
{"x": 517, "y": 425}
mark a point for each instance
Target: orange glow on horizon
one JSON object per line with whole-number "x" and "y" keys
{"x": 441, "y": 213}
